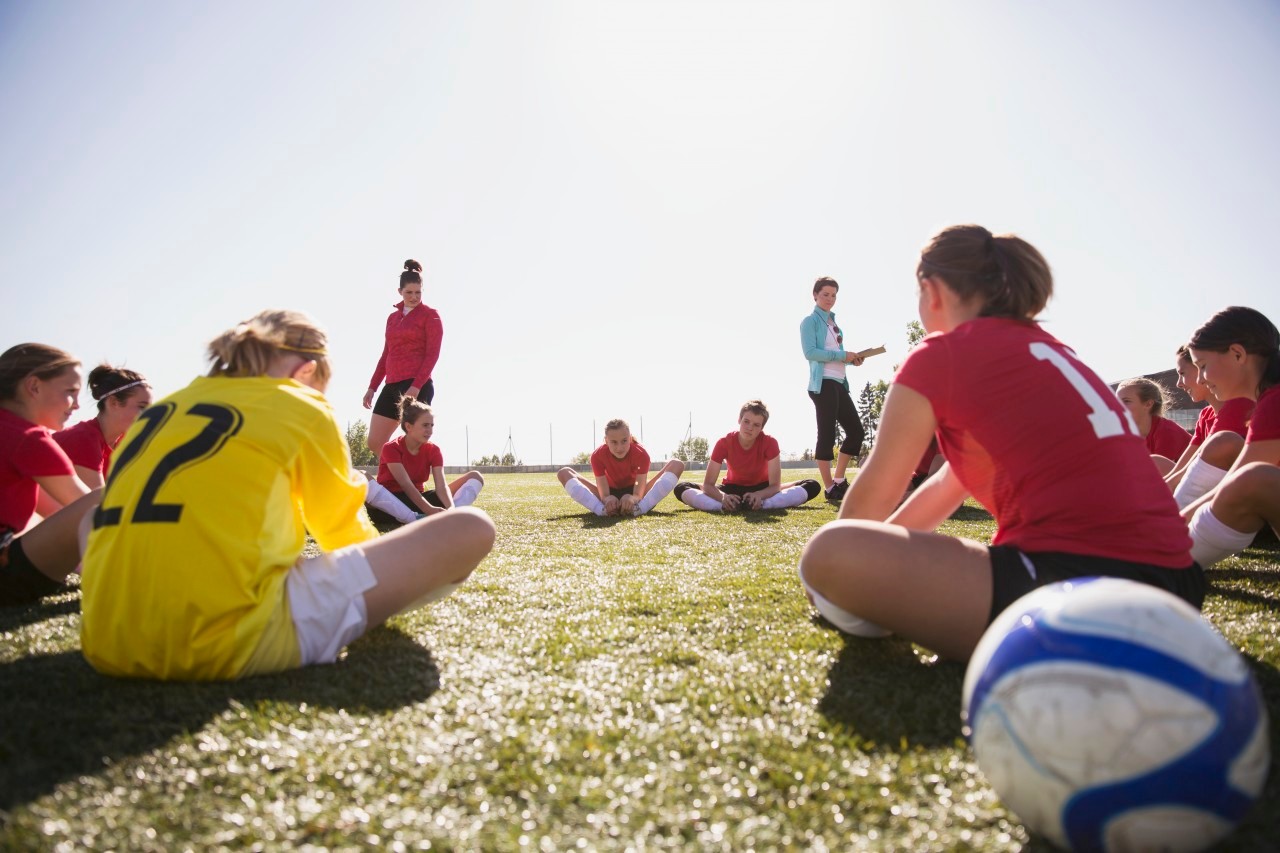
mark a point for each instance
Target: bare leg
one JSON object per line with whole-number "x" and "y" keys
{"x": 675, "y": 466}
{"x": 824, "y": 471}
{"x": 1163, "y": 464}
{"x": 842, "y": 462}
{"x": 54, "y": 545}
{"x": 380, "y": 431}
{"x": 1250, "y": 498}
{"x": 464, "y": 479}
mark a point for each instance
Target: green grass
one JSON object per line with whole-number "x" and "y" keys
{"x": 599, "y": 683}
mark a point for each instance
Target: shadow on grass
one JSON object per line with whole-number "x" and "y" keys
{"x": 12, "y": 618}
{"x": 64, "y": 720}
{"x": 882, "y": 693}
{"x": 971, "y": 513}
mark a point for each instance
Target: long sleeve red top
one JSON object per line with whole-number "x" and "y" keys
{"x": 412, "y": 346}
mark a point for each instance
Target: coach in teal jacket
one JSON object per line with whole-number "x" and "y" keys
{"x": 823, "y": 345}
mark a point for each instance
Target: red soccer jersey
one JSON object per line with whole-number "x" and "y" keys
{"x": 417, "y": 465}
{"x": 1044, "y": 444}
{"x": 1265, "y": 425}
{"x": 1204, "y": 425}
{"x": 1166, "y": 438}
{"x": 620, "y": 473}
{"x": 1234, "y": 415}
{"x": 27, "y": 451}
{"x": 745, "y": 466}
{"x": 85, "y": 445}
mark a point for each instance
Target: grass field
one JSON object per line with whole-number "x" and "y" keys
{"x": 648, "y": 683}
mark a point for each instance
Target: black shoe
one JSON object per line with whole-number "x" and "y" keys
{"x": 836, "y": 493}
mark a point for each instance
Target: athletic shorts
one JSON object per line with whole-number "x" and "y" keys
{"x": 429, "y": 495}
{"x": 388, "y": 402}
{"x": 1014, "y": 574}
{"x": 621, "y": 493}
{"x": 735, "y": 489}
{"x": 326, "y": 602}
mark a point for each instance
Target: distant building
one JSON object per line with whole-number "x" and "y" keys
{"x": 1182, "y": 410}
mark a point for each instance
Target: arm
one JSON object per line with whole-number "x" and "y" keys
{"x": 442, "y": 488}
{"x": 709, "y": 486}
{"x": 1180, "y": 467}
{"x": 754, "y": 499}
{"x": 609, "y": 501}
{"x": 812, "y": 337}
{"x": 407, "y": 486}
{"x": 57, "y": 491}
{"x": 433, "y": 329}
{"x": 932, "y": 503}
{"x": 91, "y": 477}
{"x": 330, "y": 493}
{"x": 379, "y": 373}
{"x": 906, "y": 426}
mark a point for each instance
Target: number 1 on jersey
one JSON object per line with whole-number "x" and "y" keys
{"x": 1104, "y": 419}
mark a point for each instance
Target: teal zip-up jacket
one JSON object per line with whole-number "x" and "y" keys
{"x": 813, "y": 340}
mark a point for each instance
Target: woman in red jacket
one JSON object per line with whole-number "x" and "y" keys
{"x": 408, "y": 356}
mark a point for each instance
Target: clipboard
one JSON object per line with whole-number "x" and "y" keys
{"x": 867, "y": 353}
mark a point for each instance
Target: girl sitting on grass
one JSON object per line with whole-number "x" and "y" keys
{"x": 622, "y": 483}
{"x": 1069, "y": 480}
{"x": 41, "y": 499}
{"x": 122, "y": 395}
{"x": 1146, "y": 401}
{"x": 405, "y": 465}
{"x": 194, "y": 566}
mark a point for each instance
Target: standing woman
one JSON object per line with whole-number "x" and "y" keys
{"x": 823, "y": 345}
{"x": 122, "y": 395}
{"x": 409, "y": 354}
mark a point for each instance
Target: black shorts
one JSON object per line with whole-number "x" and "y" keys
{"x": 1011, "y": 578}
{"x": 621, "y": 493}
{"x": 388, "y": 402}
{"x": 20, "y": 581}
{"x": 735, "y": 489}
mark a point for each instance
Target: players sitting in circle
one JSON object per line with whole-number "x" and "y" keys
{"x": 622, "y": 484}
{"x": 753, "y": 475}
{"x": 1146, "y": 401}
{"x": 1069, "y": 480}
{"x": 406, "y": 464}
{"x": 1224, "y": 520}
{"x": 193, "y": 567}
{"x": 122, "y": 395}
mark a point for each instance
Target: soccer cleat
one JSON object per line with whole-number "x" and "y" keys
{"x": 836, "y": 493}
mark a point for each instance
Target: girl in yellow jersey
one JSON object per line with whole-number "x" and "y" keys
{"x": 193, "y": 564}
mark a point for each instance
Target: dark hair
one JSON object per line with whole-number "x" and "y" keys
{"x": 105, "y": 380}
{"x": 825, "y": 281}
{"x": 1008, "y": 274}
{"x": 412, "y": 273}
{"x": 1248, "y": 328}
{"x": 755, "y": 407}
{"x": 1183, "y": 353}
{"x": 249, "y": 348}
{"x": 616, "y": 423}
{"x": 411, "y": 408}
{"x": 39, "y": 360}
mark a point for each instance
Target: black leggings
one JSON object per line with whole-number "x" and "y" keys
{"x": 833, "y": 404}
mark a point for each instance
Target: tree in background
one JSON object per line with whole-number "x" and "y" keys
{"x": 507, "y": 460}
{"x": 581, "y": 458}
{"x": 358, "y": 443}
{"x": 692, "y": 449}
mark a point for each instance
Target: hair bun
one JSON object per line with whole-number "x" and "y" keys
{"x": 412, "y": 265}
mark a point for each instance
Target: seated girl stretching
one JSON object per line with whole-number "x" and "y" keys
{"x": 1225, "y": 520}
{"x": 1069, "y": 480}
{"x": 753, "y": 479}
{"x": 121, "y": 395}
{"x": 405, "y": 465}
{"x": 41, "y": 499}
{"x": 1146, "y": 402}
{"x": 1189, "y": 382}
{"x": 622, "y": 483}
{"x": 194, "y": 567}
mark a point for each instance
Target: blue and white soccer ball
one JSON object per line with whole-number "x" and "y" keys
{"x": 1108, "y": 715}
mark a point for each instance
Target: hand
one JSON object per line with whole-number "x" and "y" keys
{"x": 413, "y": 391}
{"x": 753, "y": 499}
{"x": 628, "y": 505}
{"x": 730, "y": 502}
{"x": 611, "y": 505}
{"x": 853, "y": 358}
{"x": 368, "y": 399}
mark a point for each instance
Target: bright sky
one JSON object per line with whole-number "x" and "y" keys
{"x": 621, "y": 207}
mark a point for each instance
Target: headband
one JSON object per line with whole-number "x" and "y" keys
{"x": 124, "y": 387}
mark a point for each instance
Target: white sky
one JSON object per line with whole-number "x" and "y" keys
{"x": 621, "y": 207}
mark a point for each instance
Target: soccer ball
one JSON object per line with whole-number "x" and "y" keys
{"x": 1108, "y": 715}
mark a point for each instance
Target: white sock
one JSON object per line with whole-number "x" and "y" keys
{"x": 837, "y": 480}
{"x": 843, "y": 619}
{"x": 584, "y": 496}
{"x": 467, "y": 493}
{"x": 660, "y": 490}
{"x": 793, "y": 496}
{"x": 442, "y": 591}
{"x": 699, "y": 499}
{"x": 379, "y": 497}
{"x": 1211, "y": 540}
{"x": 1200, "y": 477}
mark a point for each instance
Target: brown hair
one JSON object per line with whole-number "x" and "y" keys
{"x": 1183, "y": 353}
{"x": 755, "y": 407}
{"x": 249, "y": 348}
{"x": 1248, "y": 328}
{"x": 412, "y": 273}
{"x": 616, "y": 423}
{"x": 39, "y": 360}
{"x": 1149, "y": 391}
{"x": 411, "y": 408}
{"x": 105, "y": 380}
{"x": 1006, "y": 273}
{"x": 825, "y": 281}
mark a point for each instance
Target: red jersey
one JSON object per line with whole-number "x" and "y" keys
{"x": 745, "y": 466}
{"x": 412, "y": 346}
{"x": 1044, "y": 444}
{"x": 1204, "y": 425}
{"x": 1265, "y": 425}
{"x": 85, "y": 445}
{"x": 1166, "y": 438}
{"x": 27, "y": 451}
{"x": 1234, "y": 415}
{"x": 417, "y": 465}
{"x": 620, "y": 473}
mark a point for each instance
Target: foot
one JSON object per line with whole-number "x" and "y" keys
{"x": 835, "y": 494}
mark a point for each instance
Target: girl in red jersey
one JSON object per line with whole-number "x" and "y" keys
{"x": 753, "y": 476}
{"x": 1146, "y": 402}
{"x": 1189, "y": 382}
{"x": 121, "y": 395}
{"x": 1068, "y": 480}
{"x": 409, "y": 461}
{"x": 409, "y": 354}
{"x": 39, "y": 389}
{"x": 621, "y": 469}
{"x": 1225, "y": 520}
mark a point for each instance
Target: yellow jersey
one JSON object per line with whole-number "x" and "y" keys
{"x": 206, "y": 507}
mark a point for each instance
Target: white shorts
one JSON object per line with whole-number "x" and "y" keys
{"x": 326, "y": 602}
